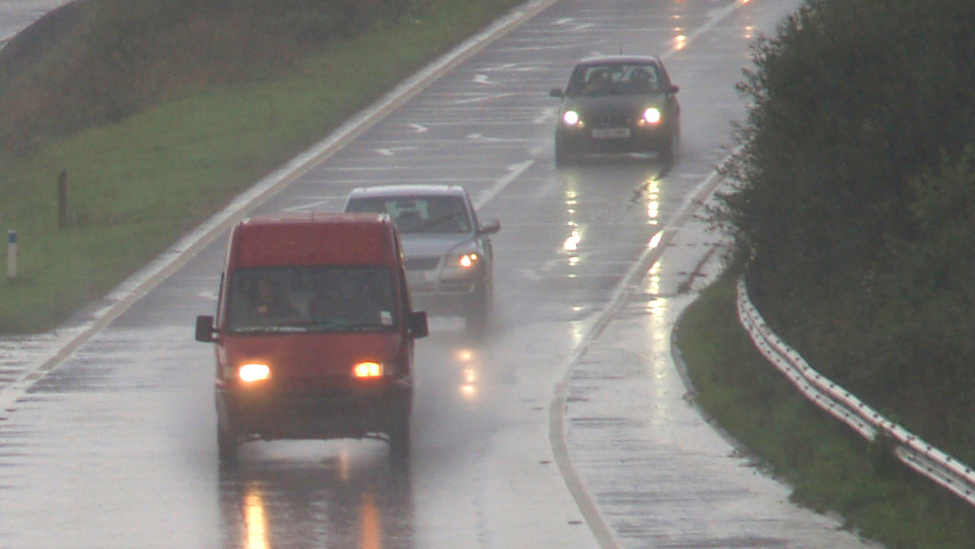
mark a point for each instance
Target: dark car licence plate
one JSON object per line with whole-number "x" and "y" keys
{"x": 610, "y": 133}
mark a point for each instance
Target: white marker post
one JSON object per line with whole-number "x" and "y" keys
{"x": 11, "y": 254}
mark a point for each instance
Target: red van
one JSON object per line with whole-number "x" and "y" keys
{"x": 314, "y": 332}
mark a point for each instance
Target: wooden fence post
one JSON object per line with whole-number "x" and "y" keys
{"x": 63, "y": 200}
{"x": 11, "y": 254}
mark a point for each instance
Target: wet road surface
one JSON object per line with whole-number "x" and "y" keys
{"x": 566, "y": 427}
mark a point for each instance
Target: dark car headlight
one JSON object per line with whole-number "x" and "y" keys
{"x": 571, "y": 118}
{"x": 652, "y": 116}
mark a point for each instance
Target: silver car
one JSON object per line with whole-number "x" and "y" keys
{"x": 448, "y": 253}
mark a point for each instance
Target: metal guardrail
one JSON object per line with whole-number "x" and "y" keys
{"x": 911, "y": 450}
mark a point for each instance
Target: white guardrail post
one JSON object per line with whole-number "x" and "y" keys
{"x": 911, "y": 450}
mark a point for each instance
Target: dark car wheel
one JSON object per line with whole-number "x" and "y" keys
{"x": 669, "y": 148}
{"x": 563, "y": 156}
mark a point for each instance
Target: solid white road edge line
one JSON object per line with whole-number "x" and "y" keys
{"x": 621, "y": 294}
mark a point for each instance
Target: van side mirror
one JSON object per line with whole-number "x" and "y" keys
{"x": 556, "y": 93}
{"x": 416, "y": 324}
{"x": 204, "y": 328}
{"x": 673, "y": 89}
{"x": 490, "y": 227}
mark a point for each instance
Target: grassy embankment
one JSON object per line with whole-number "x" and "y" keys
{"x": 136, "y": 185}
{"x": 831, "y": 468}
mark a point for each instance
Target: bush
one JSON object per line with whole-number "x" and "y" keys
{"x": 853, "y": 201}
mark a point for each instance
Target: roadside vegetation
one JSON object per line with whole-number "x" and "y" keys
{"x": 156, "y": 113}
{"x": 853, "y": 217}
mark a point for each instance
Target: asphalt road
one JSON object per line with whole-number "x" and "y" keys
{"x": 16, "y": 15}
{"x": 566, "y": 427}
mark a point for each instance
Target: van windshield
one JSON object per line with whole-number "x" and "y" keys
{"x": 327, "y": 298}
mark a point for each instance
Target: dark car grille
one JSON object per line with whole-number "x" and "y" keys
{"x": 421, "y": 263}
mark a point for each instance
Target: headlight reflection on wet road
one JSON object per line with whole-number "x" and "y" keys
{"x": 255, "y": 520}
{"x": 469, "y": 373}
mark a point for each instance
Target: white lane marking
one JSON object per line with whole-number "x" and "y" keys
{"x": 481, "y": 138}
{"x": 486, "y": 195}
{"x": 546, "y": 114}
{"x": 571, "y": 22}
{"x": 479, "y": 99}
{"x": 391, "y": 151}
{"x": 307, "y": 206}
{"x": 418, "y": 128}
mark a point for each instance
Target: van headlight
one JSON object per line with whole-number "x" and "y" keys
{"x": 254, "y": 372}
{"x": 368, "y": 370}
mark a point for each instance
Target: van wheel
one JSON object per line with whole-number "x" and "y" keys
{"x": 227, "y": 445}
{"x": 399, "y": 441}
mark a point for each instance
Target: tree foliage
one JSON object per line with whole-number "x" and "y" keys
{"x": 854, "y": 199}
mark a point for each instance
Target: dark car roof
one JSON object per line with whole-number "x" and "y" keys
{"x": 649, "y": 59}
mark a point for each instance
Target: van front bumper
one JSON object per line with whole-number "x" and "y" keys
{"x": 314, "y": 413}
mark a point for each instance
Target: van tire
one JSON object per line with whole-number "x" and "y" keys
{"x": 399, "y": 441}
{"x": 227, "y": 445}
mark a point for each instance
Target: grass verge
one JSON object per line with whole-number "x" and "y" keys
{"x": 830, "y": 468}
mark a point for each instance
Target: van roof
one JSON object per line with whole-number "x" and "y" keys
{"x": 314, "y": 238}
{"x": 420, "y": 189}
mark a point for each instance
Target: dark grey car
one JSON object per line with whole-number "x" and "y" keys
{"x": 617, "y": 104}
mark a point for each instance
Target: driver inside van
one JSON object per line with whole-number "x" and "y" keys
{"x": 270, "y": 303}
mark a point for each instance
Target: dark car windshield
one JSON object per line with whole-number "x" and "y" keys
{"x": 615, "y": 79}
{"x": 418, "y": 214}
{"x": 315, "y": 299}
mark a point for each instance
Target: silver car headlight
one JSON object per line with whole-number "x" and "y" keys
{"x": 461, "y": 264}
{"x": 651, "y": 116}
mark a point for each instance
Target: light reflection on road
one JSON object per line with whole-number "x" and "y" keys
{"x": 309, "y": 494}
{"x": 255, "y": 521}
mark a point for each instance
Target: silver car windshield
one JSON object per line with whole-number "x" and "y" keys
{"x": 310, "y": 299}
{"x": 614, "y": 79}
{"x": 419, "y": 214}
